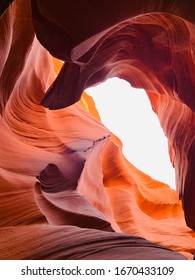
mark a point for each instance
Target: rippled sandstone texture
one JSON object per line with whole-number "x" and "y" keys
{"x": 67, "y": 191}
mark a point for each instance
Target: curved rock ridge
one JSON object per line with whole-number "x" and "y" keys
{"x": 66, "y": 188}
{"x": 74, "y": 243}
{"x": 128, "y": 59}
{"x": 120, "y": 52}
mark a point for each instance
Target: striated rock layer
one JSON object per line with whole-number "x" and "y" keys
{"x": 67, "y": 191}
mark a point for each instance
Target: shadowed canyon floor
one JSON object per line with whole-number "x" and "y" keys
{"x": 67, "y": 191}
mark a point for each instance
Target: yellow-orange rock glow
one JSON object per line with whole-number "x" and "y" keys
{"x": 66, "y": 188}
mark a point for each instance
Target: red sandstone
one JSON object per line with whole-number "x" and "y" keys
{"x": 64, "y": 179}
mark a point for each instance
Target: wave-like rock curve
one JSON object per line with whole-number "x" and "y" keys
{"x": 87, "y": 193}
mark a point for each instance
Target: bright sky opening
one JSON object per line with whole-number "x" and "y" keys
{"x": 127, "y": 112}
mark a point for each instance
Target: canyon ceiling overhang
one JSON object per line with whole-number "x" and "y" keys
{"x": 148, "y": 43}
{"x": 52, "y": 131}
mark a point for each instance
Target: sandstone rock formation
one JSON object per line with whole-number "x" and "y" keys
{"x": 66, "y": 188}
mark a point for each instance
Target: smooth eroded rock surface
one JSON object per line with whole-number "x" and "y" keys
{"x": 67, "y": 191}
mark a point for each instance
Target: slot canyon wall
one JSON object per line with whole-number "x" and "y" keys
{"x": 66, "y": 189}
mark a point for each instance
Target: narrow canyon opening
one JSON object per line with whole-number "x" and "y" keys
{"x": 127, "y": 112}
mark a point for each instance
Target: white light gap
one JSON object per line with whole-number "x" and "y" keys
{"x": 127, "y": 112}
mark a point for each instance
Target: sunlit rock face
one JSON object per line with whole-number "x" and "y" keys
{"x": 66, "y": 188}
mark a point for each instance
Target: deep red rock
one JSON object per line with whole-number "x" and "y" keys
{"x": 50, "y": 130}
